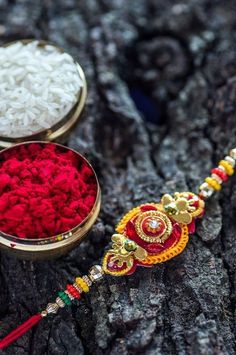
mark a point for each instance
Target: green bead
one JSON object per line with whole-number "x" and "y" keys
{"x": 68, "y": 302}
{"x": 65, "y": 298}
{"x": 130, "y": 245}
{"x": 61, "y": 294}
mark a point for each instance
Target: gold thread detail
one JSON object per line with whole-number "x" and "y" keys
{"x": 201, "y": 203}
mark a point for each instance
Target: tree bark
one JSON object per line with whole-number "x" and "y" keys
{"x": 160, "y": 113}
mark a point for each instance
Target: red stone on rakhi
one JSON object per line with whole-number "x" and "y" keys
{"x": 158, "y": 228}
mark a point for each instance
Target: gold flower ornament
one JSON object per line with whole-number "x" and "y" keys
{"x": 179, "y": 207}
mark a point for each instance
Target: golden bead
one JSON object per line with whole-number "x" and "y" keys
{"x": 228, "y": 168}
{"x": 81, "y": 283}
{"x": 213, "y": 183}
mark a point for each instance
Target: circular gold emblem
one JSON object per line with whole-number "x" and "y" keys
{"x": 153, "y": 226}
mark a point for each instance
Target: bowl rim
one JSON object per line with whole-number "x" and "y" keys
{"x": 57, "y": 129}
{"x": 55, "y": 239}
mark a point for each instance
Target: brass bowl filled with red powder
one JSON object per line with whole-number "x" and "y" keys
{"x": 49, "y": 199}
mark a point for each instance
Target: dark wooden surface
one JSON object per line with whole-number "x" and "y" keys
{"x": 176, "y": 61}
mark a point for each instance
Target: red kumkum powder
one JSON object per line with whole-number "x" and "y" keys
{"x": 45, "y": 190}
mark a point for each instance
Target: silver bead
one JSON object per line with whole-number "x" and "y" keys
{"x": 96, "y": 273}
{"x": 60, "y": 303}
{"x": 232, "y": 153}
{"x": 52, "y": 308}
{"x": 87, "y": 280}
{"x": 230, "y": 160}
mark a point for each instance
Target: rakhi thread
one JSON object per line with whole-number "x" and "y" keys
{"x": 147, "y": 235}
{"x": 21, "y": 330}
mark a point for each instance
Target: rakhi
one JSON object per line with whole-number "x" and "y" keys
{"x": 149, "y": 234}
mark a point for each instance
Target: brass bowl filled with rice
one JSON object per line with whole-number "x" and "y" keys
{"x": 42, "y": 92}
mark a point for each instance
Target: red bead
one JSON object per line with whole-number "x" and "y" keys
{"x": 72, "y": 290}
{"x": 220, "y": 173}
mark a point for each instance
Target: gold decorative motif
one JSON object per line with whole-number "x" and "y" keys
{"x": 123, "y": 253}
{"x": 159, "y": 235}
{"x": 182, "y": 208}
{"x": 132, "y": 214}
{"x": 118, "y": 272}
{"x": 125, "y": 249}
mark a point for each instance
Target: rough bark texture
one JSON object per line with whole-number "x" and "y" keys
{"x": 176, "y": 62}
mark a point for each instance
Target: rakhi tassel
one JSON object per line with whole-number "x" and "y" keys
{"x": 18, "y": 332}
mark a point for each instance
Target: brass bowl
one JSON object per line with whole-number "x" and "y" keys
{"x": 63, "y": 126}
{"x": 54, "y": 246}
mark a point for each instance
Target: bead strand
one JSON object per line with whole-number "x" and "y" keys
{"x": 218, "y": 175}
{"x": 74, "y": 291}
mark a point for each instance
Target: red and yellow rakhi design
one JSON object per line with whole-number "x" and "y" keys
{"x": 153, "y": 233}
{"x": 149, "y": 234}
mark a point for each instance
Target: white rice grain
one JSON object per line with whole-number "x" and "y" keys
{"x": 38, "y": 87}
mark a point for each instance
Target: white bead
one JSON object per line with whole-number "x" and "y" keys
{"x": 217, "y": 178}
{"x": 207, "y": 193}
{"x": 222, "y": 168}
{"x": 206, "y": 190}
{"x": 230, "y": 160}
{"x": 204, "y": 186}
{"x": 233, "y": 153}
